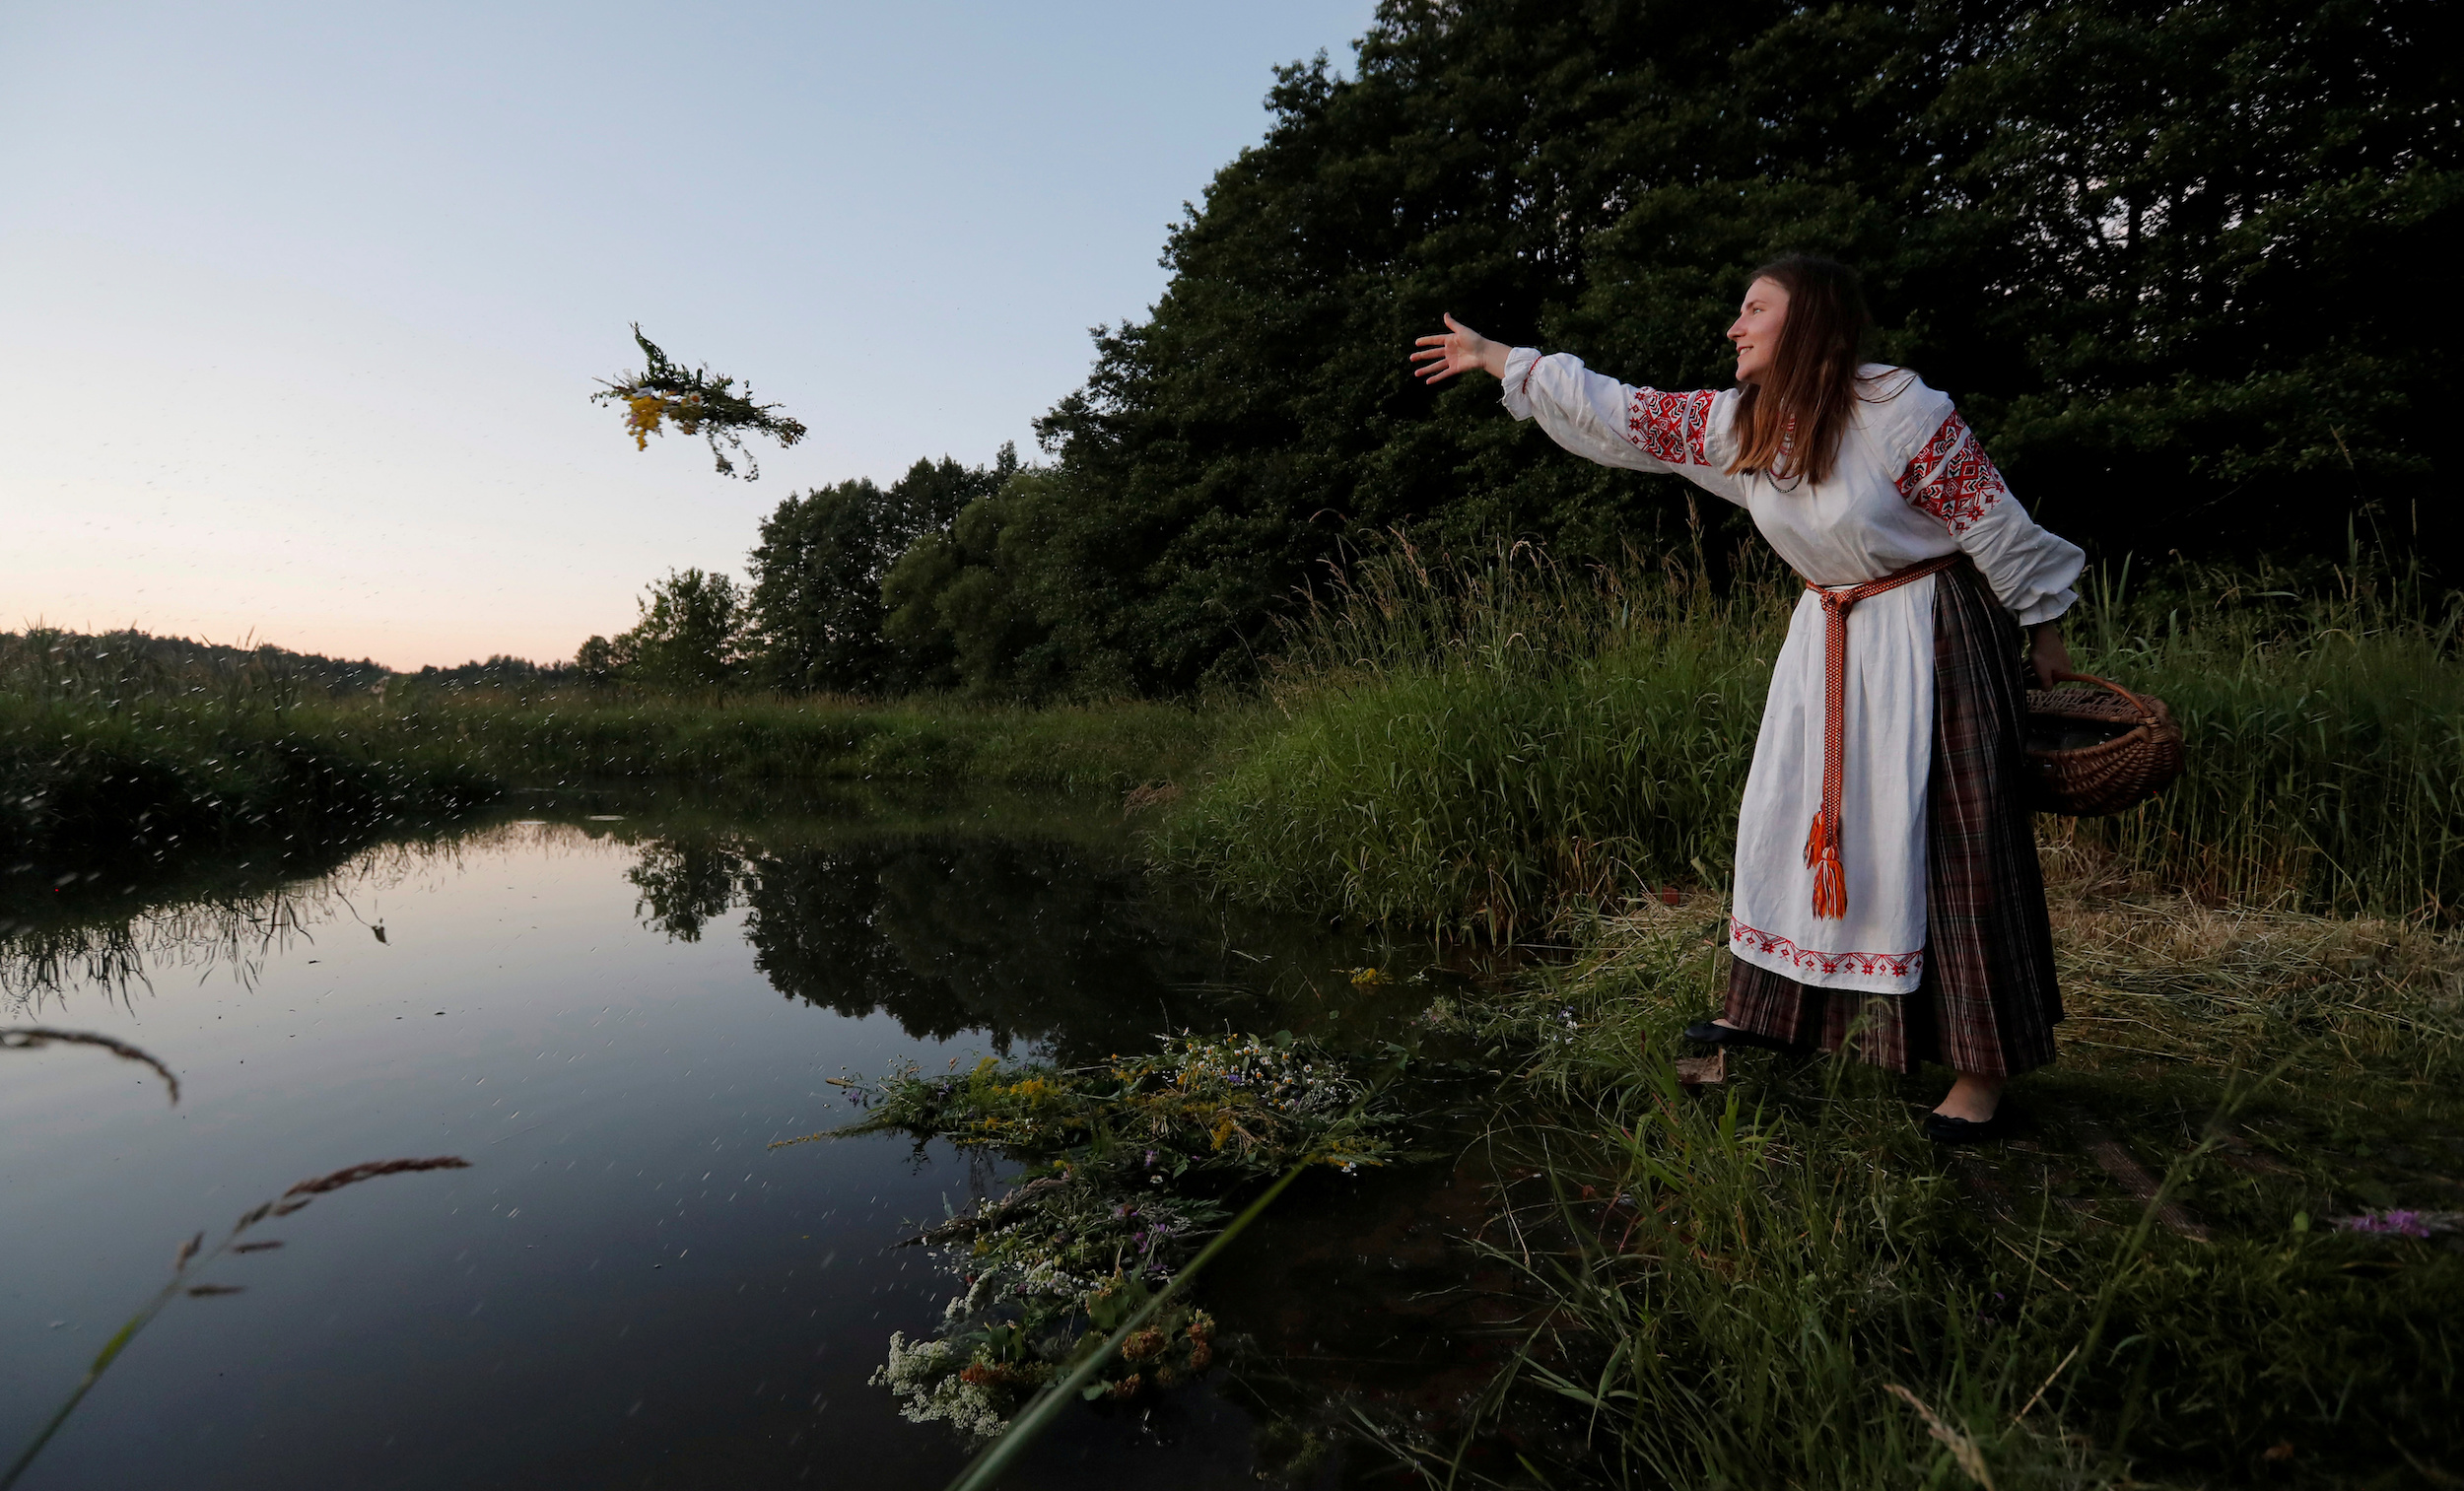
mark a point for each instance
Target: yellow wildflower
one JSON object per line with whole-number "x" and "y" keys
{"x": 643, "y": 413}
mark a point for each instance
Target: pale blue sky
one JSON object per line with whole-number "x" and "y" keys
{"x": 302, "y": 303}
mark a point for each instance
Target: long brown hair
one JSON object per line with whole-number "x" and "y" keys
{"x": 1789, "y": 423}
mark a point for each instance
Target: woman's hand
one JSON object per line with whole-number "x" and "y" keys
{"x": 1460, "y": 350}
{"x": 2047, "y": 654}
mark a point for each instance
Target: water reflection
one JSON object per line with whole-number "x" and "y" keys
{"x": 1016, "y": 934}
{"x": 628, "y": 1287}
{"x": 1021, "y": 940}
{"x": 234, "y": 927}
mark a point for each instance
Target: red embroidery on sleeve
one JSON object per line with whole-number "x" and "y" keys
{"x": 1671, "y": 426}
{"x": 1952, "y": 431}
{"x": 1953, "y": 477}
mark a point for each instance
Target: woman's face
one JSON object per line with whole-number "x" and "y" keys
{"x": 1757, "y": 329}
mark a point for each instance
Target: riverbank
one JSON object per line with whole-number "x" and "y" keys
{"x": 133, "y": 792}
{"x": 1468, "y": 748}
{"x": 2223, "y": 1247}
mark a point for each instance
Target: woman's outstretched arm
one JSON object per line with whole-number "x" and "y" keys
{"x": 1596, "y": 417}
{"x": 1460, "y": 350}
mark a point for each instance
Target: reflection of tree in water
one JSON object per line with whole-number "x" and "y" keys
{"x": 1022, "y": 936}
{"x": 252, "y": 913}
{"x": 686, "y": 883}
{"x": 1024, "y": 939}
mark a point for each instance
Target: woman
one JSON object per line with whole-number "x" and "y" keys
{"x": 1887, "y": 891}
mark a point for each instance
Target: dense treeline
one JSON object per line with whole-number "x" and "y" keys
{"x": 117, "y": 669}
{"x": 2177, "y": 262}
{"x": 110, "y": 668}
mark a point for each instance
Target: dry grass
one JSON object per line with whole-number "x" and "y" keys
{"x": 2144, "y": 1289}
{"x": 2165, "y": 976}
{"x": 2146, "y": 975}
{"x": 2150, "y": 972}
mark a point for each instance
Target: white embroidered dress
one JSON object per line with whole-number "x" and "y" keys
{"x": 1911, "y": 484}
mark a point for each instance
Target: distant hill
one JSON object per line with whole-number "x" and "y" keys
{"x": 47, "y": 662}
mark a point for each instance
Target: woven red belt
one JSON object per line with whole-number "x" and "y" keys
{"x": 1830, "y": 882}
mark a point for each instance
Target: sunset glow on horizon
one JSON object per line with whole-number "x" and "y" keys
{"x": 306, "y": 306}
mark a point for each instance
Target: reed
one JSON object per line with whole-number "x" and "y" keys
{"x": 190, "y": 1262}
{"x": 132, "y": 669}
{"x": 1478, "y": 744}
{"x": 122, "y": 792}
{"x": 37, "y": 1036}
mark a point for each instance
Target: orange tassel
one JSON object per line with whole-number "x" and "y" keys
{"x": 1831, "y": 886}
{"x": 1830, "y": 881}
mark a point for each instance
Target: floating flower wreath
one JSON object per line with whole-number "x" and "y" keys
{"x": 696, "y": 402}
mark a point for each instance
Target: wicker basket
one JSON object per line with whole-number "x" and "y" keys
{"x": 2093, "y": 753}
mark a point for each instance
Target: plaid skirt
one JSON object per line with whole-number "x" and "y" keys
{"x": 1987, "y": 1003}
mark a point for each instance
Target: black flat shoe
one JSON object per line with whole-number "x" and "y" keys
{"x": 1943, "y": 1128}
{"x": 1713, "y": 1033}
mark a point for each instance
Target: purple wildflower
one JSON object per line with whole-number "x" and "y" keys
{"x": 2411, "y": 1224}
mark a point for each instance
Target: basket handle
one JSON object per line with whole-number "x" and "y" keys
{"x": 2146, "y": 715}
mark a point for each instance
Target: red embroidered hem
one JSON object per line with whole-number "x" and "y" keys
{"x": 1812, "y": 960}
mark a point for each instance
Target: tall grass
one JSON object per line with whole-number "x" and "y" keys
{"x": 1467, "y": 745}
{"x": 118, "y": 670}
{"x": 1477, "y": 744}
{"x": 127, "y": 793}
{"x": 122, "y": 755}
{"x": 129, "y": 687}
{"x": 2325, "y": 708}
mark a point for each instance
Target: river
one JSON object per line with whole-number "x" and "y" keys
{"x": 611, "y": 1005}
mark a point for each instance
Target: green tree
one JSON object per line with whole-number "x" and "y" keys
{"x": 819, "y": 568}
{"x": 596, "y": 661}
{"x": 2175, "y": 260}
{"x": 689, "y": 633}
{"x": 984, "y": 606}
